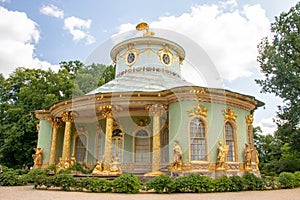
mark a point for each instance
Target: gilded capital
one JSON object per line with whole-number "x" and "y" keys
{"x": 156, "y": 109}
{"x": 199, "y": 110}
{"x": 55, "y": 121}
{"x": 108, "y": 110}
{"x": 68, "y": 116}
{"x": 249, "y": 119}
{"x": 229, "y": 114}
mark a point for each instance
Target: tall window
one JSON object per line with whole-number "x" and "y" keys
{"x": 117, "y": 144}
{"x": 197, "y": 140}
{"x": 229, "y": 135}
{"x": 142, "y": 147}
{"x": 165, "y": 146}
{"x": 80, "y": 148}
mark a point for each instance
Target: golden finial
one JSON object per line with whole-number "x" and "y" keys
{"x": 144, "y": 26}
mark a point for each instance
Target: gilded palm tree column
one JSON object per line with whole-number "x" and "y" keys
{"x": 68, "y": 118}
{"x": 249, "y": 121}
{"x": 56, "y": 123}
{"x": 106, "y": 111}
{"x": 156, "y": 110}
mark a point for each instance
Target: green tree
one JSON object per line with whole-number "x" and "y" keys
{"x": 269, "y": 150}
{"x": 275, "y": 156}
{"x": 90, "y": 77}
{"x": 27, "y": 90}
{"x": 279, "y": 61}
{"x": 23, "y": 92}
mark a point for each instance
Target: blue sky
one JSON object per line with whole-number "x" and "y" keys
{"x": 43, "y": 33}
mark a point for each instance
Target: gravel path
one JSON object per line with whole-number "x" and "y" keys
{"x": 27, "y": 192}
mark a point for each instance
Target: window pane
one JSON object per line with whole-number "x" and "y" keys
{"x": 197, "y": 140}
{"x": 80, "y": 148}
{"x": 229, "y": 134}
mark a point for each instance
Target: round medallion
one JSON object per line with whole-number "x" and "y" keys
{"x": 166, "y": 59}
{"x": 166, "y": 56}
{"x": 130, "y": 58}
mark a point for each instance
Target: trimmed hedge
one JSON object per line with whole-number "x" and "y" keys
{"x": 128, "y": 183}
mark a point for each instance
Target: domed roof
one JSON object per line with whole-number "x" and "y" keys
{"x": 145, "y": 64}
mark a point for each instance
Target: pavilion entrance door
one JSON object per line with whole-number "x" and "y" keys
{"x": 142, "y": 149}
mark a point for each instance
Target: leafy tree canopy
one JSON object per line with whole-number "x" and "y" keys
{"x": 27, "y": 90}
{"x": 279, "y": 60}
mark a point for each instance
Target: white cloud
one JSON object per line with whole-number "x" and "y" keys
{"x": 267, "y": 125}
{"x": 18, "y": 37}
{"x": 5, "y": 1}
{"x": 229, "y": 36}
{"x": 52, "y": 11}
{"x": 79, "y": 29}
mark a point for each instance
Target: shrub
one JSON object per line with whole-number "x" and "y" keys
{"x": 236, "y": 184}
{"x": 194, "y": 183}
{"x": 287, "y": 180}
{"x": 126, "y": 183}
{"x": 297, "y": 179}
{"x": 183, "y": 184}
{"x": 96, "y": 184}
{"x": 222, "y": 184}
{"x": 65, "y": 181}
{"x": 43, "y": 180}
{"x": 50, "y": 168}
{"x": 271, "y": 182}
{"x": 35, "y": 173}
{"x": 77, "y": 167}
{"x": 11, "y": 178}
{"x": 252, "y": 182}
{"x": 161, "y": 184}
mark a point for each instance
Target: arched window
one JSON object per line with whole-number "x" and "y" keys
{"x": 197, "y": 140}
{"x": 165, "y": 146}
{"x": 142, "y": 146}
{"x": 80, "y": 148}
{"x": 229, "y": 136}
{"x": 117, "y": 144}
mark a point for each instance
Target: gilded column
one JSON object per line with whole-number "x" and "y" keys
{"x": 56, "y": 123}
{"x": 156, "y": 111}
{"x": 106, "y": 112}
{"x": 249, "y": 121}
{"x": 68, "y": 118}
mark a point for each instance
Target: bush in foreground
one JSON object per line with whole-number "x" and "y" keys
{"x": 161, "y": 184}
{"x": 287, "y": 180}
{"x": 126, "y": 183}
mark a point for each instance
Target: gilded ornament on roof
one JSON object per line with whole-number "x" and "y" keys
{"x": 143, "y": 26}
